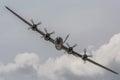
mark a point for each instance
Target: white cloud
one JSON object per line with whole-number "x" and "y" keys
{"x": 21, "y": 61}
{"x": 54, "y": 68}
{"x": 57, "y": 68}
{"x": 26, "y": 59}
{"x": 110, "y": 51}
{"x": 107, "y": 55}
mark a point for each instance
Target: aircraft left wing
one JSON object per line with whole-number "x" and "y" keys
{"x": 25, "y": 21}
{"x": 89, "y": 60}
{"x": 18, "y": 16}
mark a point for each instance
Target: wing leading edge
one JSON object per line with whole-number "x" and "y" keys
{"x": 19, "y": 16}
{"x": 89, "y": 60}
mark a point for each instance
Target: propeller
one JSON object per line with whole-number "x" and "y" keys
{"x": 68, "y": 44}
{"x": 85, "y": 56}
{"x": 70, "y": 49}
{"x": 66, "y": 38}
{"x": 34, "y": 23}
{"x": 47, "y": 35}
{"x": 85, "y": 51}
{"x": 47, "y": 32}
{"x": 34, "y": 26}
{"x": 72, "y": 46}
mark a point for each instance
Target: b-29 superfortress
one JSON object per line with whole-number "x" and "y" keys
{"x": 59, "y": 42}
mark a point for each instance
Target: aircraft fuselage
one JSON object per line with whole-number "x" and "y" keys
{"x": 58, "y": 43}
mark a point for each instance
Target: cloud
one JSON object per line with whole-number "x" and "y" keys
{"x": 55, "y": 68}
{"x": 108, "y": 55}
{"x": 21, "y": 61}
{"x": 69, "y": 67}
{"x": 109, "y": 51}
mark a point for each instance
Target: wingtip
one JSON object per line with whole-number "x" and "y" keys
{"x": 117, "y": 73}
{"x": 6, "y": 7}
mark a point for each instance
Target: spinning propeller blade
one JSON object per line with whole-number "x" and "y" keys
{"x": 66, "y": 38}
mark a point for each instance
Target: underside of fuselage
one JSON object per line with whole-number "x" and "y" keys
{"x": 58, "y": 43}
{"x": 58, "y": 47}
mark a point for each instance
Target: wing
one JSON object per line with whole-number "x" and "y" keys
{"x": 79, "y": 55}
{"x": 101, "y": 66}
{"x": 52, "y": 40}
{"x": 19, "y": 16}
{"x": 25, "y": 21}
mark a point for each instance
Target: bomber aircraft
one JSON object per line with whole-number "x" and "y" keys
{"x": 59, "y": 42}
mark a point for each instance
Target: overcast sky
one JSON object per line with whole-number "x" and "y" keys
{"x": 92, "y": 24}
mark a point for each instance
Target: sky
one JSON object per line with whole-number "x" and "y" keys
{"x": 92, "y": 24}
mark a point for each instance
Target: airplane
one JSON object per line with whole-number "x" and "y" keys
{"x": 59, "y": 43}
